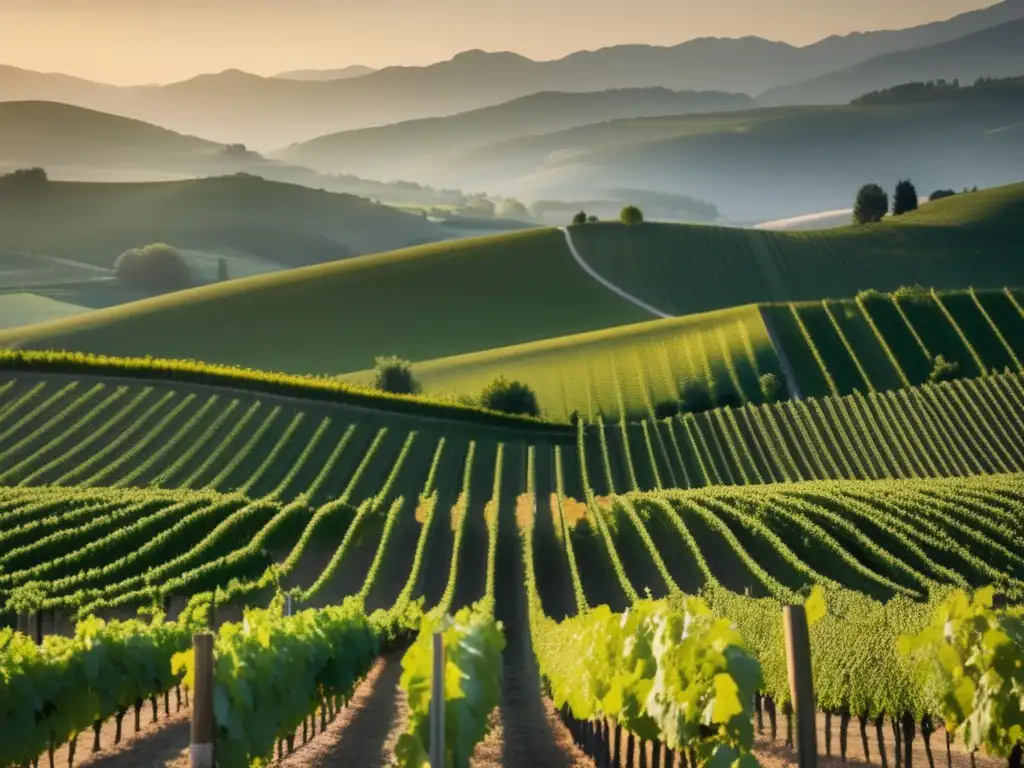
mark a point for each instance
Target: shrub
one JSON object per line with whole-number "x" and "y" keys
{"x": 393, "y": 374}
{"x": 580, "y": 218}
{"x": 510, "y": 397}
{"x": 666, "y": 409}
{"x": 592, "y": 218}
{"x": 943, "y": 369}
{"x": 871, "y": 204}
{"x": 905, "y": 198}
{"x": 156, "y": 267}
{"x": 912, "y": 294}
{"x": 631, "y": 215}
{"x": 772, "y": 388}
{"x": 939, "y": 194}
{"x": 728, "y": 399}
{"x": 695, "y": 396}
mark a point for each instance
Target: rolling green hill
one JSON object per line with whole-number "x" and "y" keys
{"x": 431, "y": 301}
{"x": 50, "y": 133}
{"x": 282, "y": 223}
{"x": 484, "y": 293}
{"x": 629, "y": 369}
{"x": 969, "y": 239}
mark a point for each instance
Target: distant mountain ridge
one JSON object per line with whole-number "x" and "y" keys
{"x": 353, "y": 70}
{"x": 994, "y": 52}
{"x": 234, "y": 106}
{"x": 401, "y": 149}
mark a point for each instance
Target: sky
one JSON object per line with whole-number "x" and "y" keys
{"x": 149, "y": 41}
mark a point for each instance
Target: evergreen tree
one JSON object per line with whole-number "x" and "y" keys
{"x": 871, "y": 205}
{"x": 905, "y": 198}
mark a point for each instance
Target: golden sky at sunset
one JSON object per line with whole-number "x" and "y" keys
{"x": 137, "y": 41}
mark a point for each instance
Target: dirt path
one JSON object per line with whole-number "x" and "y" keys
{"x": 608, "y": 283}
{"x": 365, "y": 732}
{"x": 156, "y": 744}
{"x": 526, "y": 730}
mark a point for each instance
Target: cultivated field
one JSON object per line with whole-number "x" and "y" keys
{"x": 625, "y": 370}
{"x": 149, "y": 484}
{"x": 119, "y": 494}
{"x": 878, "y": 341}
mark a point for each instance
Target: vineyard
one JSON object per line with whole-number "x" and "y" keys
{"x": 879, "y": 342}
{"x": 121, "y": 494}
{"x": 628, "y": 369}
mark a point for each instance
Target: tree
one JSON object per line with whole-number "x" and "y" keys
{"x": 772, "y": 388}
{"x": 222, "y": 270}
{"x": 695, "y": 396}
{"x": 871, "y": 205}
{"x": 905, "y": 198}
{"x": 631, "y": 216}
{"x": 26, "y": 176}
{"x": 510, "y": 397}
{"x": 393, "y": 374}
{"x": 156, "y": 267}
{"x": 592, "y": 218}
{"x": 939, "y": 194}
{"x": 580, "y": 218}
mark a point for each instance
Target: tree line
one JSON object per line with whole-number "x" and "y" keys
{"x": 872, "y": 203}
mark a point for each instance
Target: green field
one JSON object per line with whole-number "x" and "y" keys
{"x": 188, "y": 474}
{"x": 284, "y": 223}
{"x": 629, "y": 369}
{"x": 127, "y": 485}
{"x": 119, "y": 492}
{"x": 432, "y": 301}
{"x": 482, "y": 294}
{"x": 23, "y": 308}
{"x": 971, "y": 239}
{"x": 878, "y": 341}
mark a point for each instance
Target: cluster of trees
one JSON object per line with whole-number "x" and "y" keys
{"x": 922, "y": 90}
{"x": 157, "y": 267}
{"x": 630, "y": 216}
{"x": 26, "y": 176}
{"x": 393, "y": 374}
{"x": 706, "y": 394}
{"x": 872, "y": 203}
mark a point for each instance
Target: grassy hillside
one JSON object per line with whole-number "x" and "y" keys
{"x": 767, "y": 163}
{"x": 286, "y": 224}
{"x": 50, "y": 133}
{"x": 432, "y": 301}
{"x": 630, "y": 369}
{"x": 485, "y": 293}
{"x": 884, "y": 341}
{"x": 971, "y": 239}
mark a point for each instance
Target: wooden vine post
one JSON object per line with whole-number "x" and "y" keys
{"x": 437, "y": 714}
{"x": 801, "y": 683}
{"x": 200, "y": 752}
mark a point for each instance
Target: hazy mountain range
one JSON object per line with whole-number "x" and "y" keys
{"x": 994, "y": 52}
{"x": 272, "y": 112}
{"x": 418, "y": 148}
{"x": 354, "y": 70}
